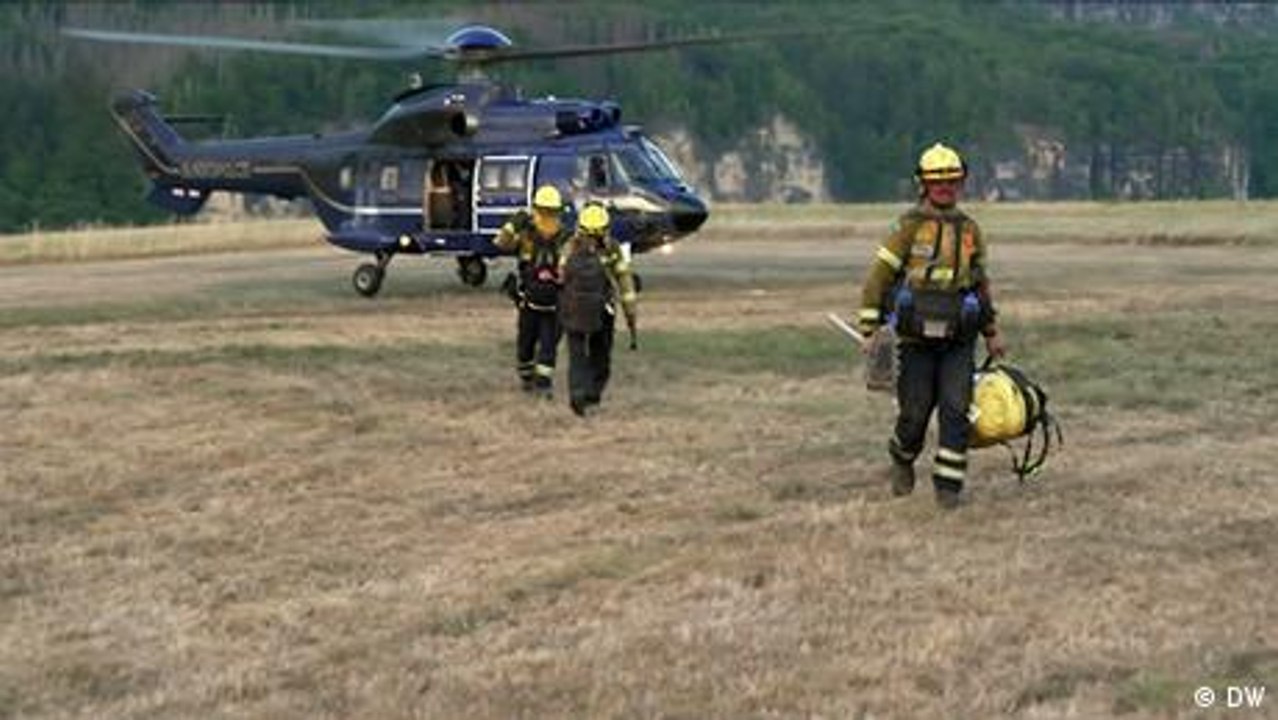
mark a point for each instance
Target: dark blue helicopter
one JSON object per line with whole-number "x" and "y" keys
{"x": 442, "y": 169}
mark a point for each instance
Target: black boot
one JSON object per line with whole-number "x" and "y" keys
{"x": 902, "y": 477}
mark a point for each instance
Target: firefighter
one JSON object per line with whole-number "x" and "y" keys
{"x": 929, "y": 281}
{"x": 537, "y": 240}
{"x": 595, "y": 273}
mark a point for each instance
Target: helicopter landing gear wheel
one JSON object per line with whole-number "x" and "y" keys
{"x": 472, "y": 270}
{"x": 368, "y": 277}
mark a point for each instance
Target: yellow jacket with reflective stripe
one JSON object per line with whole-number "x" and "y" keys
{"x": 932, "y": 249}
{"x": 521, "y": 235}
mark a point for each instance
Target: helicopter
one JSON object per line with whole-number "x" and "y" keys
{"x": 443, "y": 168}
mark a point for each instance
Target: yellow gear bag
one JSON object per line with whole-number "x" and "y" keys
{"x": 1007, "y": 405}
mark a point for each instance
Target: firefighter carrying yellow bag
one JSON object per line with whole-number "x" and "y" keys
{"x": 1007, "y": 405}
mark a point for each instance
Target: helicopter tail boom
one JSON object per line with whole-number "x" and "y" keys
{"x": 183, "y": 173}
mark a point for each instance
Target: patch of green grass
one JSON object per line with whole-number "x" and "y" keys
{"x": 1152, "y": 691}
{"x": 466, "y": 622}
{"x": 98, "y": 679}
{"x": 611, "y": 563}
{"x": 406, "y": 357}
{"x": 165, "y": 312}
{"x": 794, "y": 352}
{"x": 1175, "y": 361}
{"x": 1065, "y": 683}
{"x": 1256, "y": 666}
{"x": 309, "y": 297}
{"x": 739, "y": 512}
{"x": 9, "y": 705}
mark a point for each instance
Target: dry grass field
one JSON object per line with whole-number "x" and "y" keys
{"x": 231, "y": 488}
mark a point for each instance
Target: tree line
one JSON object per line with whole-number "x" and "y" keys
{"x": 879, "y": 82}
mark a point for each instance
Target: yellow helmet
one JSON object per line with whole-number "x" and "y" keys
{"x": 547, "y": 197}
{"x": 594, "y": 219}
{"x": 940, "y": 162}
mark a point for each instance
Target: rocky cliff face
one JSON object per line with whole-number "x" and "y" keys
{"x": 772, "y": 163}
{"x": 777, "y": 163}
{"x": 1165, "y": 14}
{"x": 1048, "y": 167}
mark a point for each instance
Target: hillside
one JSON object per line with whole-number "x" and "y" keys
{"x": 1049, "y": 100}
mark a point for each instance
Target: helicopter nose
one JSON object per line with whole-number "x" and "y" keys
{"x": 688, "y": 213}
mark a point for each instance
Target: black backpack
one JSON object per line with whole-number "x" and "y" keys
{"x": 586, "y": 290}
{"x": 539, "y": 279}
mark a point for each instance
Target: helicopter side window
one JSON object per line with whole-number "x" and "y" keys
{"x": 515, "y": 177}
{"x": 490, "y": 177}
{"x": 503, "y": 183}
{"x": 504, "y": 176}
{"x": 390, "y": 178}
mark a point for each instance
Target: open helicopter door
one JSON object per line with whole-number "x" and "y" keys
{"x": 503, "y": 186}
{"x": 446, "y": 195}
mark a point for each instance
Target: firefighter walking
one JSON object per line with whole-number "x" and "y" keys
{"x": 537, "y": 240}
{"x": 595, "y": 274}
{"x": 929, "y": 281}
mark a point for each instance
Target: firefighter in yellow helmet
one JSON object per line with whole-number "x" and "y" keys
{"x": 537, "y": 239}
{"x": 595, "y": 274}
{"x": 929, "y": 281}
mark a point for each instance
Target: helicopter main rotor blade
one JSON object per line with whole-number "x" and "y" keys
{"x": 568, "y": 51}
{"x": 230, "y": 43}
{"x": 413, "y": 33}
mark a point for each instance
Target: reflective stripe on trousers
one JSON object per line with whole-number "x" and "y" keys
{"x": 935, "y": 376}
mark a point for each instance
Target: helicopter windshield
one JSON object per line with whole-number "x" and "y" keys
{"x": 645, "y": 163}
{"x": 668, "y": 169}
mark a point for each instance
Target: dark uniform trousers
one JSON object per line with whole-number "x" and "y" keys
{"x": 590, "y": 362}
{"x": 535, "y": 347}
{"x": 935, "y": 374}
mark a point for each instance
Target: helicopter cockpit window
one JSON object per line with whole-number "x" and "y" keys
{"x": 592, "y": 172}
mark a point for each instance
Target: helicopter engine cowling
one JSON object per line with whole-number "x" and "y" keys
{"x": 425, "y": 126}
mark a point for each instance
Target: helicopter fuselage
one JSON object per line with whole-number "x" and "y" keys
{"x": 439, "y": 173}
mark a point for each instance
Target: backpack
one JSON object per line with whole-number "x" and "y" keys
{"x": 540, "y": 281}
{"x": 586, "y": 289}
{"x": 1007, "y": 405}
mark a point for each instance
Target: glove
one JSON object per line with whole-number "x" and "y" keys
{"x": 868, "y": 331}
